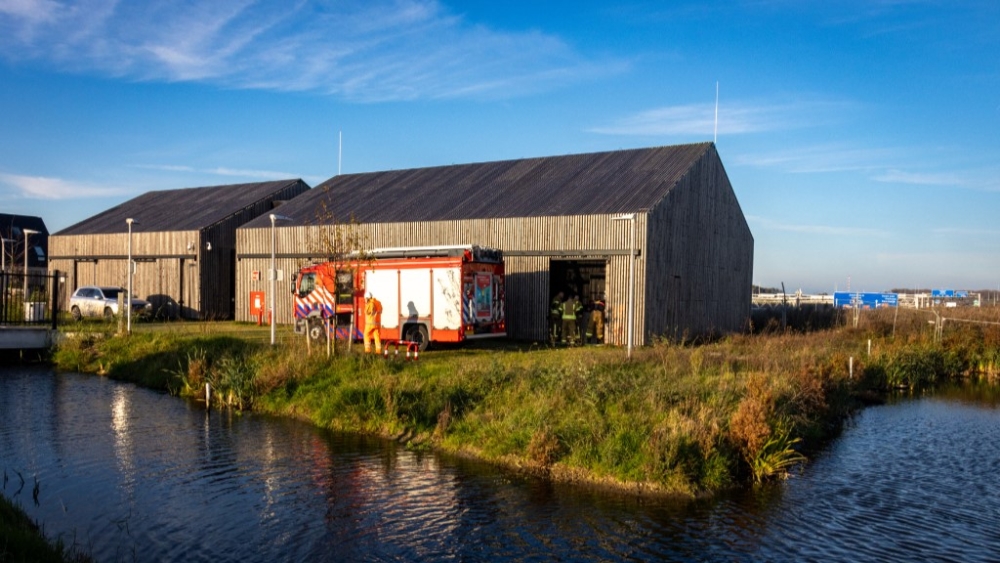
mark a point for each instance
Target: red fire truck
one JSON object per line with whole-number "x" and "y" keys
{"x": 428, "y": 294}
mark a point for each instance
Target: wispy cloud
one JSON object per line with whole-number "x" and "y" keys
{"x": 166, "y": 167}
{"x": 921, "y": 178}
{"x": 41, "y": 187}
{"x": 220, "y": 171}
{"x": 821, "y": 158}
{"x": 972, "y": 179}
{"x": 734, "y": 118}
{"x": 966, "y": 232}
{"x": 883, "y": 16}
{"x": 245, "y": 173}
{"x": 825, "y": 230}
{"x": 32, "y": 12}
{"x": 359, "y": 50}
{"x": 880, "y": 164}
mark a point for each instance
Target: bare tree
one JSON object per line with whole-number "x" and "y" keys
{"x": 341, "y": 242}
{"x": 344, "y": 245}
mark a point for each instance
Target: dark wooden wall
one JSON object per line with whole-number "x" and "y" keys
{"x": 700, "y": 258}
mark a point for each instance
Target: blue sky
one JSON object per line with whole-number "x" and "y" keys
{"x": 861, "y": 137}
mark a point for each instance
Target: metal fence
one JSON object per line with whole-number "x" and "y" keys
{"x": 29, "y": 299}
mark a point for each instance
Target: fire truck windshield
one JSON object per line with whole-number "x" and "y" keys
{"x": 307, "y": 282}
{"x": 345, "y": 287}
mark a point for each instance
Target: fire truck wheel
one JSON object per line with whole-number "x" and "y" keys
{"x": 316, "y": 330}
{"x": 418, "y": 334}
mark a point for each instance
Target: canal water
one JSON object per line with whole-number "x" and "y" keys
{"x": 127, "y": 474}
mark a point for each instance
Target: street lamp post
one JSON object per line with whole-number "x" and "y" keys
{"x": 631, "y": 279}
{"x": 3, "y": 253}
{"x": 3, "y": 265}
{"x": 273, "y": 274}
{"x": 131, "y": 267}
{"x": 27, "y": 232}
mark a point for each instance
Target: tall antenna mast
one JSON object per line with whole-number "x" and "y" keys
{"x": 715, "y": 139}
{"x": 340, "y": 149}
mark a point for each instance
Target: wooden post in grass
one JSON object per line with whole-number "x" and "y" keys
{"x": 350, "y": 334}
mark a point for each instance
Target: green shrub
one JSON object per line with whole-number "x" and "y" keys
{"x": 776, "y": 457}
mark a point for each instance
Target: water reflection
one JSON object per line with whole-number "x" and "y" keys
{"x": 125, "y": 471}
{"x": 123, "y": 439}
{"x": 977, "y": 393}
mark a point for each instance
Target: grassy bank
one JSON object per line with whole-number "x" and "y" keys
{"x": 677, "y": 418}
{"x": 21, "y": 540}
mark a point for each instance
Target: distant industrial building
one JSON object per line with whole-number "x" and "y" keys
{"x": 182, "y": 241}
{"x": 664, "y": 221}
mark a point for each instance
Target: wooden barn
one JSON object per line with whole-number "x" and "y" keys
{"x": 183, "y": 244}
{"x": 664, "y": 218}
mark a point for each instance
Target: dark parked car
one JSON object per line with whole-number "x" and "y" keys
{"x": 93, "y": 301}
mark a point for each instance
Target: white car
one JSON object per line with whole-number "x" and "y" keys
{"x": 93, "y": 301}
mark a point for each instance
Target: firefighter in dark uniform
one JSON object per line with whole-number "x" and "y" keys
{"x": 555, "y": 317}
{"x": 583, "y": 319}
{"x": 570, "y": 308}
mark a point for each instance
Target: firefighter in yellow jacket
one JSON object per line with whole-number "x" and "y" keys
{"x": 373, "y": 323}
{"x": 597, "y": 318}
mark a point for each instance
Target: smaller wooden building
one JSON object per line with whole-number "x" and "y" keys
{"x": 183, "y": 243}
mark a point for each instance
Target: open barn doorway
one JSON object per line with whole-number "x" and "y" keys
{"x": 584, "y": 278}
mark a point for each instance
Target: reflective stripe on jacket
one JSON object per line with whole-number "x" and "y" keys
{"x": 373, "y": 312}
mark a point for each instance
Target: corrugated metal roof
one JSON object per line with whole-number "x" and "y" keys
{"x": 622, "y": 181}
{"x": 187, "y": 209}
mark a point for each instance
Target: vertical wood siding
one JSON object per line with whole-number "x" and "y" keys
{"x": 700, "y": 260}
{"x": 184, "y": 279}
{"x": 527, "y": 276}
{"x": 158, "y": 281}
